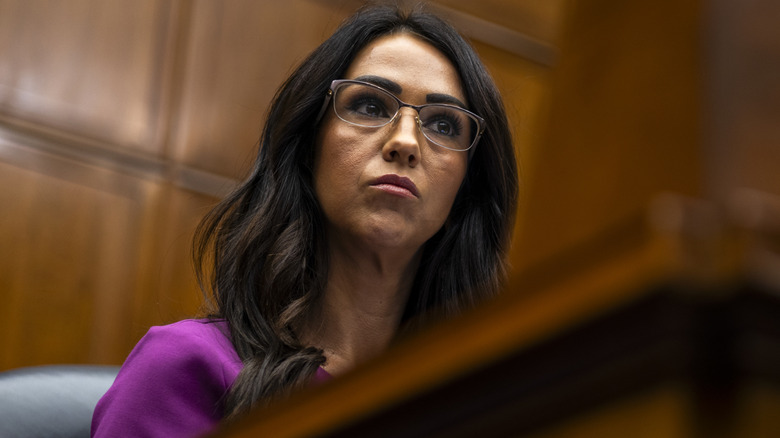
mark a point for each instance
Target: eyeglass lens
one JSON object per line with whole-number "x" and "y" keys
{"x": 365, "y": 105}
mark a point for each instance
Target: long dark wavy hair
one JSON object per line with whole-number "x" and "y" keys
{"x": 261, "y": 254}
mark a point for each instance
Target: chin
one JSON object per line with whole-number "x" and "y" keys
{"x": 389, "y": 238}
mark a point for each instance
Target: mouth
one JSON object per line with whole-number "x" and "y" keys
{"x": 395, "y": 184}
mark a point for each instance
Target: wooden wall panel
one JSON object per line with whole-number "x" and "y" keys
{"x": 238, "y": 54}
{"x": 91, "y": 68}
{"x": 168, "y": 289}
{"x": 539, "y": 19}
{"x": 604, "y": 160}
{"x": 525, "y": 88}
{"x": 91, "y": 257}
{"x": 67, "y": 266}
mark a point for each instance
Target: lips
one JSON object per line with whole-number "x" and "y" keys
{"x": 397, "y": 184}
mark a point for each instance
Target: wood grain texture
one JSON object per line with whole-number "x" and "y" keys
{"x": 91, "y": 68}
{"x": 624, "y": 123}
{"x": 238, "y": 53}
{"x": 68, "y": 265}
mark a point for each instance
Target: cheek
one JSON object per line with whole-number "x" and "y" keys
{"x": 446, "y": 183}
{"x": 454, "y": 174}
{"x": 337, "y": 162}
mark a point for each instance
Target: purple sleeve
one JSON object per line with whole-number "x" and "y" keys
{"x": 171, "y": 385}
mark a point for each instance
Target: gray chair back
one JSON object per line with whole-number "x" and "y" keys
{"x": 51, "y": 401}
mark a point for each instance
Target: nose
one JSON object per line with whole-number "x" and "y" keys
{"x": 405, "y": 138}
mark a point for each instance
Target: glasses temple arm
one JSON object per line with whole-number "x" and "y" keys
{"x": 324, "y": 107}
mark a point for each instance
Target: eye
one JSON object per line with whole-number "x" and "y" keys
{"x": 443, "y": 124}
{"x": 368, "y": 104}
{"x": 369, "y": 107}
{"x": 443, "y": 127}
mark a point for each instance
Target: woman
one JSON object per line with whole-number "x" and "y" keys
{"x": 380, "y": 199}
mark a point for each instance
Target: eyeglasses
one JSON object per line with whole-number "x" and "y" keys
{"x": 365, "y": 104}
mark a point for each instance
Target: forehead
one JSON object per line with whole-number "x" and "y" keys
{"x": 408, "y": 60}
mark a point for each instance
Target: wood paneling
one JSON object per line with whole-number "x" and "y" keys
{"x": 69, "y": 263}
{"x": 91, "y": 257}
{"x": 91, "y": 68}
{"x": 605, "y": 157}
{"x": 238, "y": 54}
{"x": 169, "y": 291}
{"x": 525, "y": 88}
{"x": 538, "y": 19}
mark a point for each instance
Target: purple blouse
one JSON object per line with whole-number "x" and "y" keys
{"x": 172, "y": 383}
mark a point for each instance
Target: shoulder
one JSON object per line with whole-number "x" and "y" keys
{"x": 195, "y": 347}
{"x": 190, "y": 337}
{"x": 172, "y": 381}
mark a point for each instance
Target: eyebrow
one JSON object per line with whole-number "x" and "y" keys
{"x": 396, "y": 89}
{"x": 444, "y": 98}
{"x": 387, "y": 84}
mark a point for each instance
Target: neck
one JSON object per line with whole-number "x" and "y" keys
{"x": 361, "y": 309}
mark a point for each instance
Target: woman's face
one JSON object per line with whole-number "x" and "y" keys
{"x": 389, "y": 188}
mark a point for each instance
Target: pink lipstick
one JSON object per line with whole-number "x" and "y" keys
{"x": 398, "y": 185}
